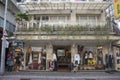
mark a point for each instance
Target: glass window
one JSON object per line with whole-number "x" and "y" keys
{"x": 83, "y": 20}
{"x": 7, "y": 25}
{"x": 61, "y": 18}
{"x": 1, "y": 22}
{"x": 92, "y": 20}
{"x": 46, "y": 18}
{"x": 53, "y": 18}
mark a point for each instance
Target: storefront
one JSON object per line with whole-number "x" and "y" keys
{"x": 117, "y": 57}
{"x": 92, "y": 56}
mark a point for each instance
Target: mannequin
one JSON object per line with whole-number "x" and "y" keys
{"x": 86, "y": 57}
{"x": 90, "y": 55}
{"x": 76, "y": 58}
{"x": 76, "y": 61}
{"x": 109, "y": 60}
{"x": 100, "y": 59}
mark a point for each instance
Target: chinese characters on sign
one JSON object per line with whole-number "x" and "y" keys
{"x": 117, "y": 8}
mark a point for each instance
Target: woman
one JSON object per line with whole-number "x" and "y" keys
{"x": 10, "y": 62}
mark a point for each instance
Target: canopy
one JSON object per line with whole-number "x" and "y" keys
{"x": 68, "y": 5}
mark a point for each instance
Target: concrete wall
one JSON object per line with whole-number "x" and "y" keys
{"x": 10, "y": 16}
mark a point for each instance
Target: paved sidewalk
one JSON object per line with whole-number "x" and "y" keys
{"x": 60, "y": 76}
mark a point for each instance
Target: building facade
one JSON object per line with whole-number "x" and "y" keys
{"x": 66, "y": 27}
{"x": 10, "y": 20}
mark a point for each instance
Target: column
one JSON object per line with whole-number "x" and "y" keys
{"x": 73, "y": 51}
{"x": 24, "y": 51}
{"x": 28, "y": 25}
{"x": 30, "y": 57}
{"x": 73, "y": 16}
{"x": 32, "y": 20}
{"x": 49, "y": 52}
{"x": 102, "y": 18}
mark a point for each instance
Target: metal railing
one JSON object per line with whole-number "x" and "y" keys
{"x": 65, "y": 28}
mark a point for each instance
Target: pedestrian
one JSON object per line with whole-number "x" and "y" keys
{"x": 54, "y": 61}
{"x": 10, "y": 62}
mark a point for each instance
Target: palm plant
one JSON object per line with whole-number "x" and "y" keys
{"x": 21, "y": 19}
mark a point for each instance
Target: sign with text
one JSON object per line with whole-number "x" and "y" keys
{"x": 36, "y": 48}
{"x": 117, "y": 8}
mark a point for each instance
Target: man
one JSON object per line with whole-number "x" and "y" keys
{"x": 54, "y": 61}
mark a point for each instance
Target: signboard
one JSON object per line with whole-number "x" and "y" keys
{"x": 17, "y": 43}
{"x": 36, "y": 48}
{"x": 117, "y": 8}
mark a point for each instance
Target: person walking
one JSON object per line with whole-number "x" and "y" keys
{"x": 10, "y": 62}
{"x": 54, "y": 61}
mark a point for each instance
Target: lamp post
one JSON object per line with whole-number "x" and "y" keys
{"x": 2, "y": 68}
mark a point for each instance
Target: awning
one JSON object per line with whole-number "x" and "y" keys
{"x": 63, "y": 5}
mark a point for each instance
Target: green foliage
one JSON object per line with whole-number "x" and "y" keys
{"x": 21, "y": 16}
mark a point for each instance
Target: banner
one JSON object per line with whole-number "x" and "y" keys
{"x": 117, "y": 8}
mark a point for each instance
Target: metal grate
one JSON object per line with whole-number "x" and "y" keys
{"x": 24, "y": 79}
{"x": 90, "y": 79}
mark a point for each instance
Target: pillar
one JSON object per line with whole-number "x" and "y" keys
{"x": 73, "y": 16}
{"x": 24, "y": 51}
{"x": 49, "y": 52}
{"x": 30, "y": 57}
{"x": 28, "y": 25}
{"x": 73, "y": 51}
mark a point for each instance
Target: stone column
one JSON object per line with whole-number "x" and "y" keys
{"x": 24, "y": 51}
{"x": 73, "y": 51}
{"x": 49, "y": 52}
{"x": 39, "y": 56}
{"x": 73, "y": 16}
{"x": 102, "y": 18}
{"x": 32, "y": 20}
{"x": 28, "y": 25}
{"x": 30, "y": 58}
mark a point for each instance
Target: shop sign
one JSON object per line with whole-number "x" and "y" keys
{"x": 117, "y": 8}
{"x": 36, "y": 48}
{"x": 17, "y": 43}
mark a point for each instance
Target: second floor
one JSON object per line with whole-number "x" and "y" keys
{"x": 64, "y": 22}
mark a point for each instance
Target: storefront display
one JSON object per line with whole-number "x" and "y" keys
{"x": 118, "y": 55}
{"x": 92, "y": 58}
{"x": 36, "y": 58}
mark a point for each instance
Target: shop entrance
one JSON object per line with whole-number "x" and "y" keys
{"x": 63, "y": 57}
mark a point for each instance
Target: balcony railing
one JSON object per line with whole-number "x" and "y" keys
{"x": 71, "y": 28}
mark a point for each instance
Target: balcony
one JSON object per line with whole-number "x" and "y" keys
{"x": 67, "y": 28}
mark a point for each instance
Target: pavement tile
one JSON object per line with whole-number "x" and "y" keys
{"x": 60, "y": 76}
